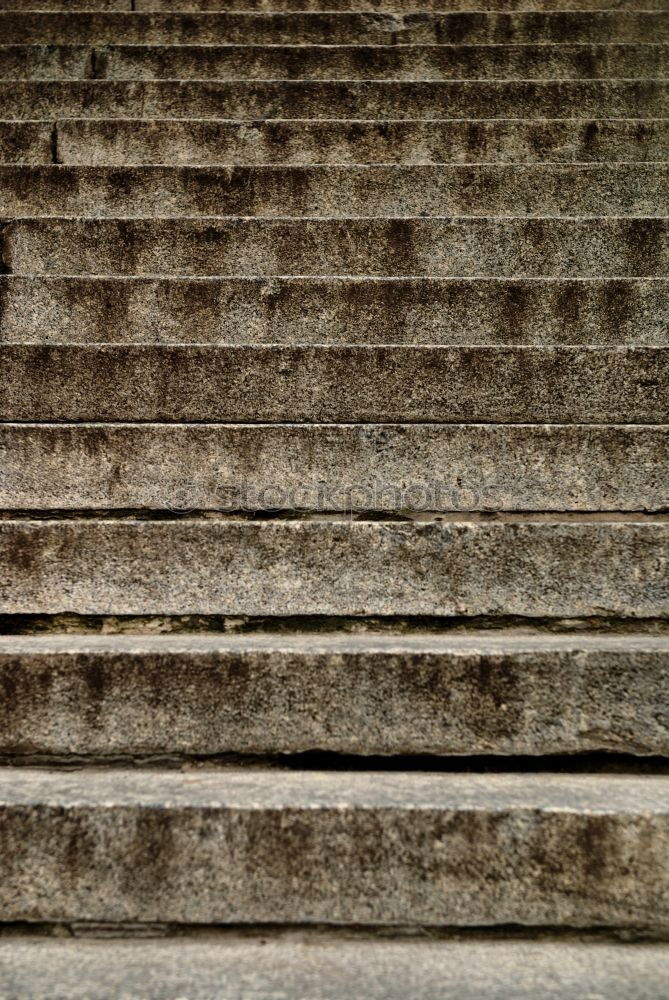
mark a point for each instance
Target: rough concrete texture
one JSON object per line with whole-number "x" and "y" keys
{"x": 366, "y": 247}
{"x": 465, "y": 566}
{"x": 120, "y": 142}
{"x": 256, "y": 99}
{"x": 482, "y": 693}
{"x": 334, "y": 310}
{"x": 460, "y": 27}
{"x": 334, "y": 190}
{"x": 25, "y": 142}
{"x": 45, "y": 62}
{"x": 386, "y": 467}
{"x": 245, "y": 846}
{"x": 329, "y": 966}
{"x": 399, "y": 6}
{"x": 334, "y": 383}
{"x": 327, "y": 62}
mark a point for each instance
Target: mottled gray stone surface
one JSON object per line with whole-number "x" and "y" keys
{"x": 479, "y": 693}
{"x": 334, "y": 383}
{"x": 328, "y": 467}
{"x": 564, "y": 189}
{"x": 313, "y": 27}
{"x": 119, "y": 141}
{"x": 45, "y": 62}
{"x": 340, "y": 62}
{"x": 401, "y": 6}
{"x": 233, "y": 846}
{"x": 25, "y": 142}
{"x": 244, "y": 567}
{"x": 321, "y": 310}
{"x": 337, "y": 99}
{"x": 379, "y": 247}
{"x": 329, "y": 966}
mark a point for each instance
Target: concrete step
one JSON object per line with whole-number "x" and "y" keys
{"x": 326, "y": 467}
{"x": 558, "y": 247}
{"x": 120, "y": 141}
{"x": 385, "y": 6}
{"x": 467, "y": 311}
{"x": 639, "y": 189}
{"x": 384, "y": 99}
{"x": 26, "y": 142}
{"x": 333, "y": 28}
{"x": 332, "y": 62}
{"x": 337, "y": 383}
{"x": 531, "y": 565}
{"x": 69, "y": 5}
{"x": 327, "y": 967}
{"x": 240, "y": 846}
{"x": 477, "y": 693}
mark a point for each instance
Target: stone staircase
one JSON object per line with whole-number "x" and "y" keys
{"x": 334, "y": 499}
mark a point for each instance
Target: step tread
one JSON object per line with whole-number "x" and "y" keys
{"x": 253, "y": 789}
{"x": 330, "y": 967}
{"x": 483, "y": 692}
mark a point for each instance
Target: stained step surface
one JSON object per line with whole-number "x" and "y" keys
{"x": 320, "y": 99}
{"x": 500, "y": 247}
{"x": 223, "y": 846}
{"x": 319, "y": 310}
{"x": 543, "y": 567}
{"x": 483, "y": 692}
{"x": 382, "y": 467}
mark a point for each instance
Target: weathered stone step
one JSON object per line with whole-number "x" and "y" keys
{"x": 120, "y": 141}
{"x": 69, "y": 5}
{"x": 550, "y": 566}
{"x": 332, "y": 62}
{"x": 385, "y": 6}
{"x": 384, "y": 99}
{"x": 327, "y": 467}
{"x": 331, "y": 27}
{"x": 329, "y": 967}
{"x": 271, "y": 846}
{"x": 318, "y": 383}
{"x": 476, "y": 693}
{"x": 46, "y": 309}
{"x": 467, "y": 246}
{"x": 638, "y": 189}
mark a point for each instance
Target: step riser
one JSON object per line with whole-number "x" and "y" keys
{"x": 98, "y": 698}
{"x": 335, "y": 384}
{"x": 387, "y": 6}
{"x": 326, "y": 468}
{"x": 511, "y": 190}
{"x": 335, "y": 310}
{"x": 252, "y": 100}
{"x": 488, "y": 247}
{"x": 524, "y": 62}
{"x": 461, "y": 27}
{"x": 229, "y": 844}
{"x": 122, "y": 143}
{"x": 271, "y": 568}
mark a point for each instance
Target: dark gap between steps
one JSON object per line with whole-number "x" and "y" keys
{"x": 69, "y": 623}
{"x": 291, "y": 514}
{"x": 333, "y": 932}
{"x": 598, "y": 762}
